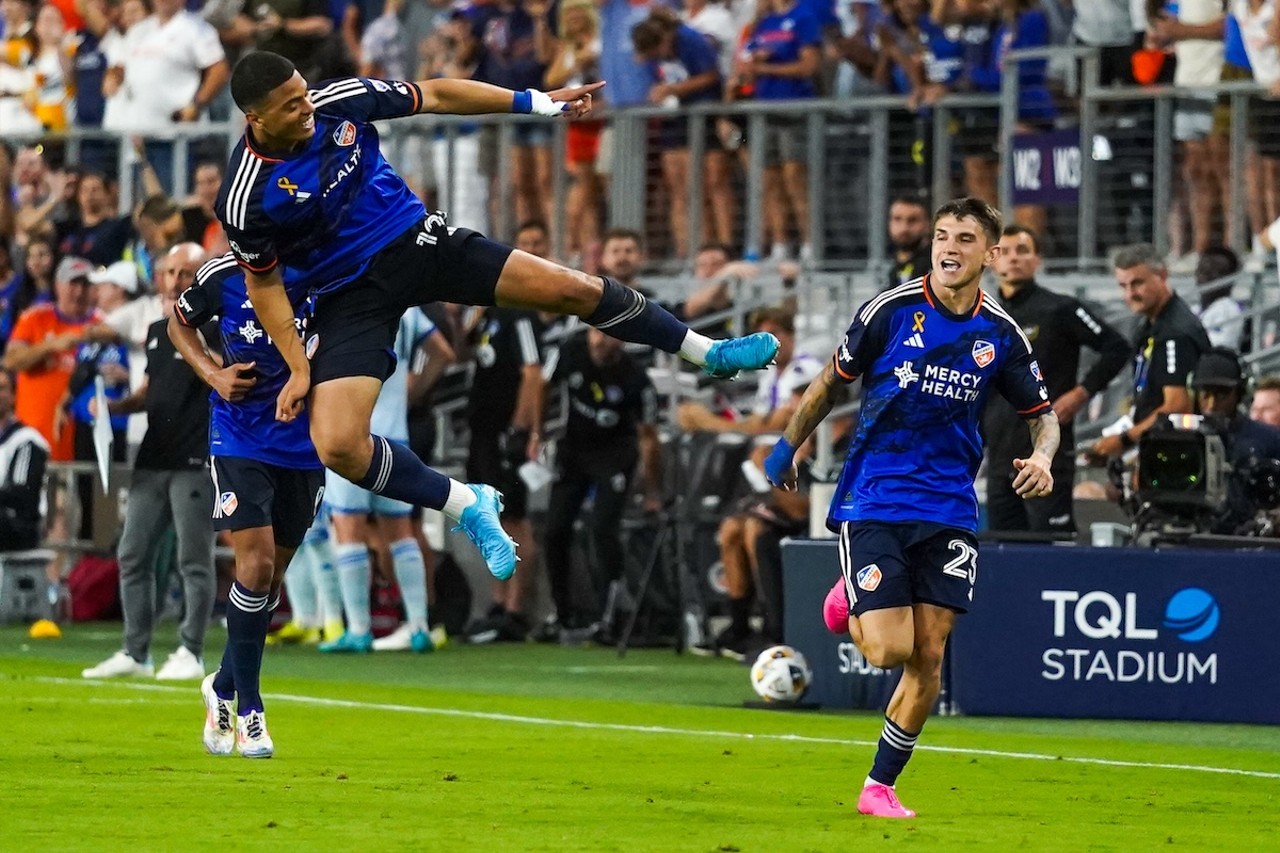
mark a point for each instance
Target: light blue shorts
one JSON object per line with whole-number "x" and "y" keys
{"x": 343, "y": 496}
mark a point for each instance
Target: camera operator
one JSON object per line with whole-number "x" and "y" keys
{"x": 1169, "y": 341}
{"x": 1219, "y": 385}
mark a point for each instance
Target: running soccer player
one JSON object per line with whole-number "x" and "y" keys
{"x": 267, "y": 483}
{"x": 308, "y": 188}
{"x": 929, "y": 353}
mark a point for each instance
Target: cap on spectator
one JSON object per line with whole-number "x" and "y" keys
{"x": 123, "y": 274}
{"x": 71, "y": 268}
{"x": 1218, "y": 368}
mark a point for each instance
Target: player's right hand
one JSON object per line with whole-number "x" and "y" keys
{"x": 233, "y": 381}
{"x": 292, "y": 396}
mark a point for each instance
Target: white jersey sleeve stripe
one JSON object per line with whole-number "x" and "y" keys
{"x": 871, "y": 308}
{"x": 999, "y": 311}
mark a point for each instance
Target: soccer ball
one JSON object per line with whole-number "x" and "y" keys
{"x": 780, "y": 674}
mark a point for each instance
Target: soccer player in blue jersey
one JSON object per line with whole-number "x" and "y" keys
{"x": 929, "y": 352}
{"x": 308, "y": 189}
{"x": 267, "y": 485}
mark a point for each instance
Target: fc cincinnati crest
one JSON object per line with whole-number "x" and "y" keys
{"x": 983, "y": 353}
{"x": 228, "y": 503}
{"x": 345, "y": 134}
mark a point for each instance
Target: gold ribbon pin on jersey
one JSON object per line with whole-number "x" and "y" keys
{"x": 287, "y": 185}
{"x": 918, "y": 326}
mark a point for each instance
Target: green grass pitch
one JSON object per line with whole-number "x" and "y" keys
{"x": 537, "y": 748}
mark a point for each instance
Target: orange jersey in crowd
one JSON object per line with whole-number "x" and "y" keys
{"x": 41, "y": 387}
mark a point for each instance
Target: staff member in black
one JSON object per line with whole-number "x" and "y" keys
{"x": 170, "y": 483}
{"x": 909, "y": 240}
{"x": 1168, "y": 343}
{"x": 501, "y": 411}
{"x": 1057, "y": 326}
{"x": 610, "y": 425}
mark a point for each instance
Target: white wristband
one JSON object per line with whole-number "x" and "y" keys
{"x": 542, "y": 105}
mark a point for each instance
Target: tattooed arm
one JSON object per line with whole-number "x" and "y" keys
{"x": 818, "y": 400}
{"x": 1033, "y": 479}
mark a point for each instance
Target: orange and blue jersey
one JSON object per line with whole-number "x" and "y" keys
{"x": 926, "y": 375}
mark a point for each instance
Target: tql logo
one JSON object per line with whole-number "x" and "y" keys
{"x": 1192, "y": 614}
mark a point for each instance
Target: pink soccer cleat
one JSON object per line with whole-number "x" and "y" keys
{"x": 881, "y": 801}
{"x": 835, "y": 609}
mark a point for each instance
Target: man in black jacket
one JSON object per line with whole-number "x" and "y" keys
{"x": 23, "y": 456}
{"x": 1057, "y": 326}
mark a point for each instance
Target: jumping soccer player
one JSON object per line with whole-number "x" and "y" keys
{"x": 929, "y": 353}
{"x": 267, "y": 483}
{"x": 308, "y": 188}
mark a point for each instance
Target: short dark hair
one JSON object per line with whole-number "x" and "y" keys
{"x": 158, "y": 208}
{"x": 1015, "y": 229}
{"x": 715, "y": 247}
{"x": 622, "y": 234}
{"x": 256, "y": 75}
{"x": 913, "y": 200}
{"x": 987, "y": 217}
{"x": 531, "y": 224}
{"x": 780, "y": 317}
{"x": 648, "y": 34}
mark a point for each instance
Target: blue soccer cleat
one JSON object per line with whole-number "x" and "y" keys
{"x": 754, "y": 352}
{"x": 481, "y": 525}
{"x": 349, "y": 644}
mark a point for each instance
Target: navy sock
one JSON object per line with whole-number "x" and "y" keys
{"x": 399, "y": 474}
{"x": 224, "y": 682}
{"x": 625, "y": 314}
{"x": 893, "y": 753}
{"x": 247, "y": 621}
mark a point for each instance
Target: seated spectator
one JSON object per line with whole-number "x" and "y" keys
{"x": 1265, "y": 407}
{"x": 750, "y": 552}
{"x": 1219, "y": 383}
{"x": 778, "y": 384}
{"x": 96, "y": 234}
{"x": 1221, "y": 315}
{"x": 24, "y": 453}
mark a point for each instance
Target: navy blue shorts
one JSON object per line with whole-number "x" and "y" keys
{"x": 249, "y": 494}
{"x": 353, "y": 329}
{"x": 899, "y": 564}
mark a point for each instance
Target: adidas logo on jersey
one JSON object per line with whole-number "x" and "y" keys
{"x": 916, "y": 340}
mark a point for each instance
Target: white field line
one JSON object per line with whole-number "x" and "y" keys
{"x": 663, "y": 730}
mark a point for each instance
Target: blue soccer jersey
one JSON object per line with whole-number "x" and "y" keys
{"x": 926, "y": 374}
{"x": 326, "y": 210}
{"x": 248, "y": 428}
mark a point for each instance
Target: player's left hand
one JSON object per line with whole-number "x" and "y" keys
{"x": 1033, "y": 479}
{"x": 575, "y": 100}
{"x": 292, "y": 396}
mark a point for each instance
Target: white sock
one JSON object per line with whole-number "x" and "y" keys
{"x": 871, "y": 781}
{"x": 695, "y": 347}
{"x": 326, "y": 577}
{"x": 460, "y": 497}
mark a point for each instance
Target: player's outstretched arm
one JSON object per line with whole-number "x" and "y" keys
{"x": 1033, "y": 479}
{"x": 271, "y": 304}
{"x": 818, "y": 400}
{"x": 471, "y": 97}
